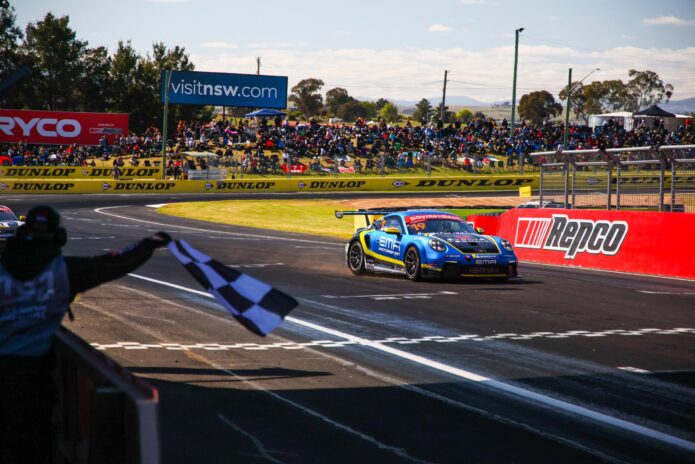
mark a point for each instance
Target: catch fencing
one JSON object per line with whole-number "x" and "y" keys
{"x": 636, "y": 178}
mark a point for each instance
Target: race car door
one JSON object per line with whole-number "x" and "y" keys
{"x": 388, "y": 245}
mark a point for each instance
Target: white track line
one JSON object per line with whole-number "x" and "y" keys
{"x": 306, "y": 410}
{"x": 468, "y": 375}
{"x": 256, "y": 442}
{"x": 591, "y": 269}
{"x": 517, "y": 391}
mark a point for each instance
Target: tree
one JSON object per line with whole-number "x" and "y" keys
{"x": 10, "y": 58}
{"x": 307, "y": 97}
{"x": 645, "y": 88}
{"x": 124, "y": 78}
{"x": 577, "y": 100}
{"x": 448, "y": 115}
{"x": 172, "y": 59}
{"x": 464, "y": 115}
{"x": 95, "y": 80}
{"x": 351, "y": 110}
{"x": 423, "y": 110}
{"x": 537, "y": 106}
{"x": 336, "y": 97}
{"x": 54, "y": 53}
{"x": 380, "y": 103}
{"x": 370, "y": 109}
{"x": 389, "y": 112}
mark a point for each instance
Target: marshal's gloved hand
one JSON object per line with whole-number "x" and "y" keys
{"x": 159, "y": 239}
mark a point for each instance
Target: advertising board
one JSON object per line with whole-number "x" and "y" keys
{"x": 36, "y": 182}
{"x": 625, "y": 241}
{"x": 60, "y": 127}
{"x": 76, "y": 172}
{"x": 226, "y": 89}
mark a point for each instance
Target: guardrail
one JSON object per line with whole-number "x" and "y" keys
{"x": 659, "y": 178}
{"x": 105, "y": 414}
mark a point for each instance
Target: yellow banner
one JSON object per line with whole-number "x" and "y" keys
{"x": 76, "y": 172}
{"x": 525, "y": 192}
{"x": 294, "y": 184}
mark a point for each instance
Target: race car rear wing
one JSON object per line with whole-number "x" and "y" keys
{"x": 367, "y": 213}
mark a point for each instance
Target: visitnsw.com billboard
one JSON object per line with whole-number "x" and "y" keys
{"x": 224, "y": 89}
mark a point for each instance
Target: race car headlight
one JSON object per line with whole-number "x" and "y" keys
{"x": 437, "y": 245}
{"x": 506, "y": 245}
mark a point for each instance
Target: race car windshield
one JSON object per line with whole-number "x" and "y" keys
{"x": 433, "y": 226}
{"x": 7, "y": 216}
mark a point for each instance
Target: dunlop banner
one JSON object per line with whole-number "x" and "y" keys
{"x": 76, "y": 172}
{"x": 376, "y": 184}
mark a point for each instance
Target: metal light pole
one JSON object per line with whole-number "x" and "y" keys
{"x": 567, "y": 113}
{"x": 570, "y": 88}
{"x": 516, "y": 61}
{"x": 167, "y": 82}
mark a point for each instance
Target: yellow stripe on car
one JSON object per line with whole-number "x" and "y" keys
{"x": 369, "y": 252}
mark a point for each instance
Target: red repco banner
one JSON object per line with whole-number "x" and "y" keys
{"x": 60, "y": 127}
{"x": 639, "y": 242}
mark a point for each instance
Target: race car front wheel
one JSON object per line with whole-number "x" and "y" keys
{"x": 413, "y": 271}
{"x": 355, "y": 258}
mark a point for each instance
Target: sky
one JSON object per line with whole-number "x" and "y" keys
{"x": 399, "y": 49}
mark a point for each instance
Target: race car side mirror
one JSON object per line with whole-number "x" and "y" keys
{"x": 339, "y": 214}
{"x": 392, "y": 230}
{"x": 480, "y": 230}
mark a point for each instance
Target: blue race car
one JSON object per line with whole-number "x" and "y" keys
{"x": 422, "y": 243}
{"x": 8, "y": 225}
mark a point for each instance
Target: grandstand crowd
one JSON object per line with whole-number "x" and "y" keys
{"x": 269, "y": 146}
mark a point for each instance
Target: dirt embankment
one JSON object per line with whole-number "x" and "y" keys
{"x": 463, "y": 202}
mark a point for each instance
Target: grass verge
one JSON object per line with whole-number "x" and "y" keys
{"x": 314, "y": 217}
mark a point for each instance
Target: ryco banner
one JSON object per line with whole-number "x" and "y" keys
{"x": 60, "y": 127}
{"x": 639, "y": 242}
{"x": 224, "y": 89}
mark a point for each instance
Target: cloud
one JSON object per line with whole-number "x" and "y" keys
{"x": 439, "y": 28}
{"x": 668, "y": 21}
{"x": 472, "y": 2}
{"x": 626, "y": 37}
{"x": 279, "y": 45}
{"x": 166, "y": 1}
{"x": 218, "y": 44}
{"x": 415, "y": 73}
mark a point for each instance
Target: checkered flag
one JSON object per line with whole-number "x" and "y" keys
{"x": 255, "y": 304}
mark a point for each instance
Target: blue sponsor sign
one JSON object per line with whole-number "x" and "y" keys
{"x": 224, "y": 89}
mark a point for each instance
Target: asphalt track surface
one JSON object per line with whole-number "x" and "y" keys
{"x": 562, "y": 365}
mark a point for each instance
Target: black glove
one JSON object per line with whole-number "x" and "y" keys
{"x": 159, "y": 239}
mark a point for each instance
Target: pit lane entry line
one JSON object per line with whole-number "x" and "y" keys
{"x": 468, "y": 375}
{"x": 208, "y": 231}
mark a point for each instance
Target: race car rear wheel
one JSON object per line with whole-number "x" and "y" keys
{"x": 413, "y": 271}
{"x": 355, "y": 258}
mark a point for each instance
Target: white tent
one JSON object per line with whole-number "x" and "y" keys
{"x": 623, "y": 118}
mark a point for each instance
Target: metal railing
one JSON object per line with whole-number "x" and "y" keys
{"x": 104, "y": 413}
{"x": 635, "y": 178}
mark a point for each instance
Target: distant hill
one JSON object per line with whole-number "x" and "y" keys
{"x": 686, "y": 106}
{"x": 456, "y": 102}
{"x": 451, "y": 100}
